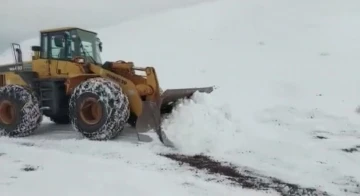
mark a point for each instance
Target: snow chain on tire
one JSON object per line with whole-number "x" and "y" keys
{"x": 114, "y": 108}
{"x": 25, "y": 113}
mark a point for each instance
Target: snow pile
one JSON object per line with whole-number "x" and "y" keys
{"x": 214, "y": 124}
{"x": 287, "y": 84}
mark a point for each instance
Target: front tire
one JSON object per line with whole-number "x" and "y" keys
{"x": 98, "y": 109}
{"x": 20, "y": 113}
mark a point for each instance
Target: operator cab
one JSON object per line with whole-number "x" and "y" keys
{"x": 68, "y": 43}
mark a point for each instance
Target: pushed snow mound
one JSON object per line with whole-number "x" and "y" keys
{"x": 201, "y": 125}
{"x": 307, "y": 147}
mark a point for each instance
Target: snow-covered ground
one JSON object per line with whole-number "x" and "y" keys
{"x": 285, "y": 105}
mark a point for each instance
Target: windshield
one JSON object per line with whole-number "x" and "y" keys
{"x": 89, "y": 46}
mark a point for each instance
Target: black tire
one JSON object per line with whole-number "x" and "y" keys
{"x": 111, "y": 102}
{"x": 62, "y": 120}
{"x": 132, "y": 120}
{"x": 25, "y": 117}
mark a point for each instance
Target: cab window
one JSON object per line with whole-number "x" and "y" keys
{"x": 57, "y": 47}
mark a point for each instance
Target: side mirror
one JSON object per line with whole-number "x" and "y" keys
{"x": 19, "y": 54}
{"x": 100, "y": 47}
{"x": 59, "y": 41}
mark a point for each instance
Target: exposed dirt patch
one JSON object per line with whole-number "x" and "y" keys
{"x": 29, "y": 168}
{"x": 246, "y": 178}
{"x": 350, "y": 150}
{"x": 320, "y": 137}
{"x": 27, "y": 144}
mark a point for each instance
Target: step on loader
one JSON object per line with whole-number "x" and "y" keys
{"x": 67, "y": 81}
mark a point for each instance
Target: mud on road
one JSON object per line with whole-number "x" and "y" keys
{"x": 245, "y": 178}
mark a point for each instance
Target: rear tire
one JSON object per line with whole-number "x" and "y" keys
{"x": 98, "y": 109}
{"x": 20, "y": 113}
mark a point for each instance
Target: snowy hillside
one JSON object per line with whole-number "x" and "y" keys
{"x": 288, "y": 88}
{"x": 53, "y": 14}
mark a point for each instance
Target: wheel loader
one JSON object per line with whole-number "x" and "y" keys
{"x": 67, "y": 81}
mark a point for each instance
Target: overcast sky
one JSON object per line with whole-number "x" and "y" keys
{"x": 22, "y": 19}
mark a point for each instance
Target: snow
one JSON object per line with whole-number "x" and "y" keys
{"x": 286, "y": 75}
{"x": 63, "y": 173}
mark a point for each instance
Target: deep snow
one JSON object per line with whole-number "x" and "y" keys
{"x": 285, "y": 104}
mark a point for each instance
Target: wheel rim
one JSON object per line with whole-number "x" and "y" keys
{"x": 7, "y": 112}
{"x": 90, "y": 111}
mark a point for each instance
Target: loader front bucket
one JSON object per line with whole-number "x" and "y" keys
{"x": 151, "y": 119}
{"x": 171, "y": 96}
{"x": 152, "y": 111}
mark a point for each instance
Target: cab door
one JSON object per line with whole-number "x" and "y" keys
{"x": 59, "y": 54}
{"x": 53, "y": 56}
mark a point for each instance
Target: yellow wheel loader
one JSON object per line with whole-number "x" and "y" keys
{"x": 67, "y": 81}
